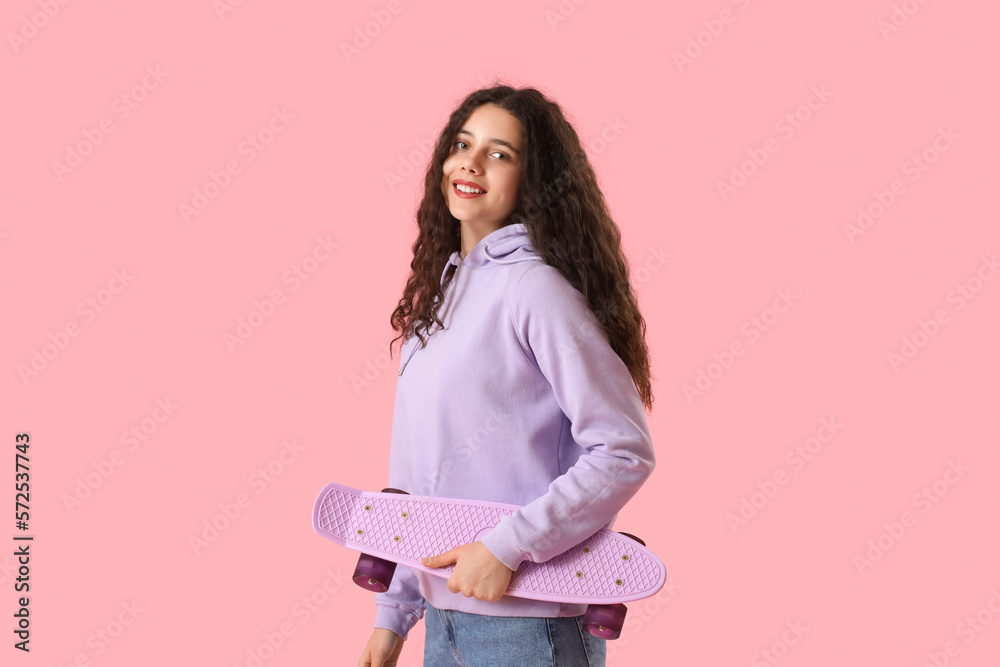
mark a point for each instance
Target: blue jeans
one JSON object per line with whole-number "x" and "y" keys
{"x": 461, "y": 639}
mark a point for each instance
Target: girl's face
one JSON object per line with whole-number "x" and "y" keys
{"x": 485, "y": 155}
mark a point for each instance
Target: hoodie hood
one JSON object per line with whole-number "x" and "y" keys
{"x": 508, "y": 245}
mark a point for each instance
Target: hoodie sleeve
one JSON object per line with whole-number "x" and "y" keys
{"x": 400, "y": 607}
{"x": 594, "y": 389}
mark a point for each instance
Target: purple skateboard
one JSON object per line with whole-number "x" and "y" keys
{"x": 604, "y": 571}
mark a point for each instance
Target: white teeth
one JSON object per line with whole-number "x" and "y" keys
{"x": 466, "y": 188}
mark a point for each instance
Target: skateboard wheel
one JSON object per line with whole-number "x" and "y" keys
{"x": 373, "y": 573}
{"x": 633, "y": 537}
{"x": 605, "y": 620}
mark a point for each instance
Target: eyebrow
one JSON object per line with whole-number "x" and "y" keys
{"x": 493, "y": 141}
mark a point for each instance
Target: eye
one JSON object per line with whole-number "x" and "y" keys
{"x": 503, "y": 156}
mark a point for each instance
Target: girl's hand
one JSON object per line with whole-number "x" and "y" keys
{"x": 382, "y": 649}
{"x": 478, "y": 573}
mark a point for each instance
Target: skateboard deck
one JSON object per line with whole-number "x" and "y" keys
{"x": 605, "y": 568}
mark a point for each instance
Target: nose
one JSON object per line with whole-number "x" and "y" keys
{"x": 470, "y": 162}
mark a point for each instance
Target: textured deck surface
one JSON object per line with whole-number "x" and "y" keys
{"x": 607, "y": 567}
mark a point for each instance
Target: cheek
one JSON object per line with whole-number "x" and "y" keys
{"x": 512, "y": 189}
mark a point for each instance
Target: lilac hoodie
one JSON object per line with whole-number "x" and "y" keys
{"x": 518, "y": 399}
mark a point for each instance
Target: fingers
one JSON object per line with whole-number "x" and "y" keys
{"x": 488, "y": 595}
{"x": 441, "y": 560}
{"x": 484, "y": 578}
{"x": 492, "y": 596}
{"x": 462, "y": 582}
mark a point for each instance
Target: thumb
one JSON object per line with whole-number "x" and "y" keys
{"x": 441, "y": 560}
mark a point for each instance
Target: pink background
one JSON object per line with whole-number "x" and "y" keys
{"x": 661, "y": 136}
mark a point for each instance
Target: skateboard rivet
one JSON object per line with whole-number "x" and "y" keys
{"x": 368, "y": 508}
{"x": 586, "y": 550}
{"x": 618, "y": 582}
{"x": 624, "y": 556}
{"x": 405, "y": 514}
{"x": 396, "y": 538}
{"x": 579, "y": 575}
{"x": 360, "y": 531}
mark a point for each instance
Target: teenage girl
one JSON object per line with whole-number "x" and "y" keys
{"x": 528, "y": 384}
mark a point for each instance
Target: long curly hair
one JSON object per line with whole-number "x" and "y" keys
{"x": 568, "y": 223}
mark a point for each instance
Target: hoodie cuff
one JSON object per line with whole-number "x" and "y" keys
{"x": 394, "y": 618}
{"x": 500, "y": 543}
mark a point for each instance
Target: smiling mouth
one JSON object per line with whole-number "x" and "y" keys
{"x": 466, "y": 196}
{"x": 468, "y": 189}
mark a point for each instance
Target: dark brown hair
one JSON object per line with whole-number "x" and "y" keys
{"x": 568, "y": 223}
